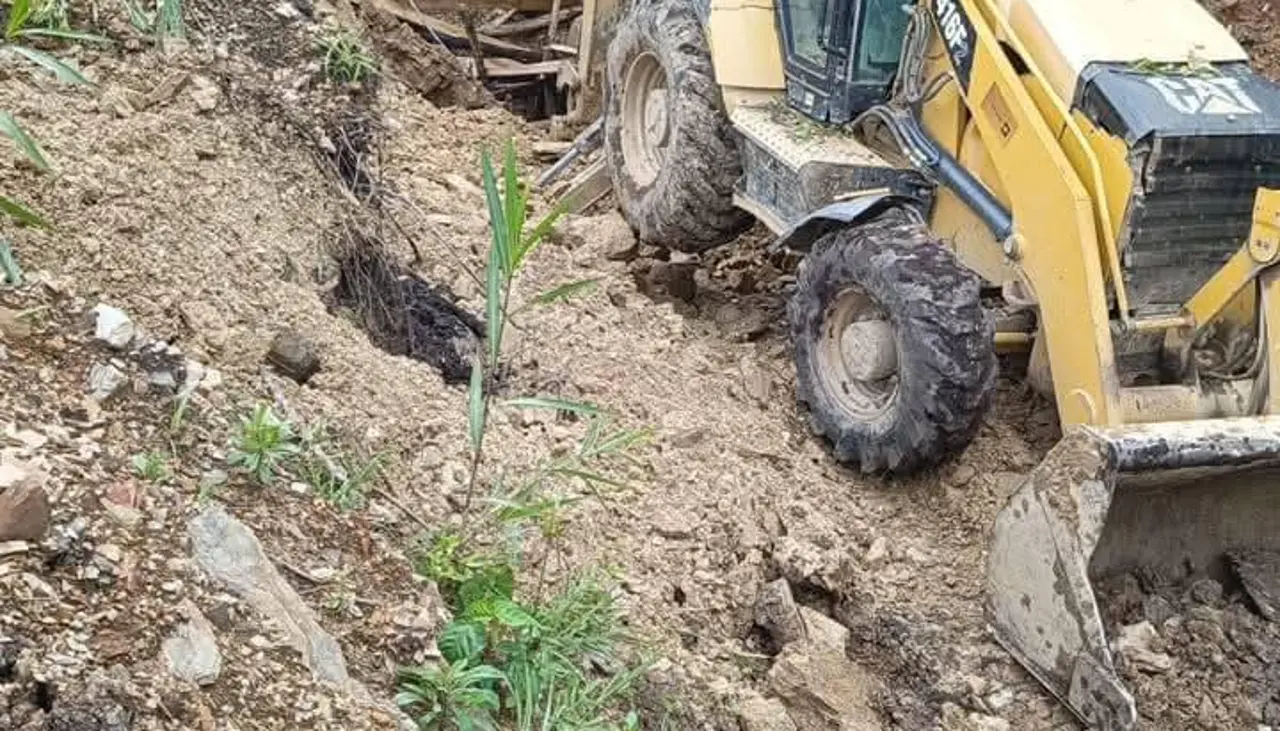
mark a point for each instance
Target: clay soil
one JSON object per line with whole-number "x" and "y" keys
{"x": 196, "y": 190}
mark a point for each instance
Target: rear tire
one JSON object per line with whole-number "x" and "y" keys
{"x": 668, "y": 142}
{"x": 942, "y": 384}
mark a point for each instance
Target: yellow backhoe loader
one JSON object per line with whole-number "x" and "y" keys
{"x": 1103, "y": 175}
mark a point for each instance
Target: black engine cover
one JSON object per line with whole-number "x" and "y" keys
{"x": 1200, "y": 147}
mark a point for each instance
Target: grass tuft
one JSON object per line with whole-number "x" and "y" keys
{"x": 346, "y": 59}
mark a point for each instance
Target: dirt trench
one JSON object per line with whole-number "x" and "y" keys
{"x": 197, "y": 198}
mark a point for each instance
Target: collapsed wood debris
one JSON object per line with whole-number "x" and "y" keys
{"x": 523, "y": 51}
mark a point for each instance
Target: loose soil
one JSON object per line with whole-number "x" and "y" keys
{"x": 202, "y": 191}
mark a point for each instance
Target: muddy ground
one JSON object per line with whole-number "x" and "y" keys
{"x": 201, "y": 191}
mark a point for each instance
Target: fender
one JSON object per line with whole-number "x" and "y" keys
{"x": 799, "y": 239}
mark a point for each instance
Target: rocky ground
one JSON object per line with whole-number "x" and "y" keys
{"x": 200, "y": 195}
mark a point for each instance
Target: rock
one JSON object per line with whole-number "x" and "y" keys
{"x": 822, "y": 689}
{"x": 1000, "y": 699}
{"x": 228, "y": 552}
{"x": 962, "y": 475}
{"x": 878, "y": 551}
{"x": 12, "y": 325}
{"x": 673, "y": 523}
{"x": 764, "y": 714}
{"x": 979, "y": 722}
{"x": 777, "y": 614}
{"x": 104, "y": 380}
{"x": 460, "y": 184}
{"x": 607, "y": 236}
{"x": 114, "y": 327}
{"x": 288, "y": 11}
{"x": 1134, "y": 644}
{"x": 294, "y": 356}
{"x": 207, "y": 322}
{"x": 756, "y": 382}
{"x": 205, "y": 93}
{"x": 1259, "y": 573}
{"x": 1206, "y": 591}
{"x": 24, "y": 509}
{"x": 192, "y": 652}
{"x": 675, "y": 280}
{"x": 823, "y": 631}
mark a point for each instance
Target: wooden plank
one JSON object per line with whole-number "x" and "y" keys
{"x": 452, "y": 31}
{"x": 587, "y": 187}
{"x": 496, "y": 67}
{"x": 525, "y": 25}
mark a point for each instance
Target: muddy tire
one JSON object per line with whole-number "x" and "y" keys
{"x": 929, "y": 377}
{"x": 667, "y": 139}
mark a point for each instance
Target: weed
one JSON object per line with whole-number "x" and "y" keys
{"x": 344, "y": 483}
{"x": 54, "y": 14}
{"x": 210, "y": 483}
{"x": 346, "y": 60}
{"x": 164, "y": 21}
{"x": 152, "y": 467}
{"x": 540, "y": 662}
{"x": 263, "y": 445}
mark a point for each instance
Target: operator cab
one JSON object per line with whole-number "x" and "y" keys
{"x": 841, "y": 55}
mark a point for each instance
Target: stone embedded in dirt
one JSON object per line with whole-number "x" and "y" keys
{"x": 607, "y": 236}
{"x": 756, "y": 382}
{"x": 104, "y": 380}
{"x": 980, "y": 722}
{"x": 192, "y": 653}
{"x": 205, "y": 92}
{"x": 114, "y": 327}
{"x": 878, "y": 551}
{"x": 962, "y": 475}
{"x": 1134, "y": 644}
{"x": 673, "y": 523}
{"x": 671, "y": 279}
{"x": 229, "y": 552}
{"x": 24, "y": 509}
{"x": 777, "y": 614}
{"x": 1259, "y": 573}
{"x": 288, "y": 10}
{"x": 823, "y": 689}
{"x": 12, "y": 325}
{"x": 764, "y": 714}
{"x": 207, "y": 323}
{"x": 823, "y": 631}
{"x": 294, "y": 356}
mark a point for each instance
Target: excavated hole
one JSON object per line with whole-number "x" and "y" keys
{"x": 402, "y": 313}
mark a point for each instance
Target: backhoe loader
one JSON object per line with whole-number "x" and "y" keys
{"x": 1095, "y": 181}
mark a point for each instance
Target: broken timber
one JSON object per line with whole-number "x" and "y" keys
{"x": 494, "y": 46}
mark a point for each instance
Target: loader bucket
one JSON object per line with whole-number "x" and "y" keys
{"x": 1173, "y": 496}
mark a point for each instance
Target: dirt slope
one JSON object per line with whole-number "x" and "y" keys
{"x": 189, "y": 196}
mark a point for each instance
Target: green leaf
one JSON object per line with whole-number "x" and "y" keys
{"x": 553, "y": 404}
{"x": 20, "y": 213}
{"x": 63, "y": 71}
{"x": 498, "y": 582}
{"x": 475, "y": 407}
{"x": 513, "y": 615}
{"x": 565, "y": 291}
{"x": 10, "y": 128}
{"x": 591, "y": 478}
{"x": 482, "y": 674}
{"x": 497, "y": 216}
{"x": 12, "y": 273}
{"x": 66, "y": 35}
{"x": 19, "y": 11}
{"x": 515, "y": 210}
{"x": 543, "y": 229}
{"x": 461, "y": 642}
{"x": 493, "y": 307}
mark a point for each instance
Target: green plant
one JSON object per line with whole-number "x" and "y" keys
{"x": 264, "y": 444}
{"x": 342, "y": 482}
{"x": 164, "y": 21}
{"x": 152, "y": 467}
{"x": 346, "y": 60}
{"x": 54, "y": 14}
{"x": 557, "y": 660}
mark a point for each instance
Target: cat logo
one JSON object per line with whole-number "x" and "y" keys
{"x": 1220, "y": 96}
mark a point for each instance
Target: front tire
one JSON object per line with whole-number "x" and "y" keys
{"x": 917, "y": 394}
{"x": 668, "y": 142}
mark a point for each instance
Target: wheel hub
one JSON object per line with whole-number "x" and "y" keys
{"x": 858, "y": 356}
{"x": 646, "y": 129}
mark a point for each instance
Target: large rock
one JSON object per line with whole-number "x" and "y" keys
{"x": 229, "y": 553}
{"x": 192, "y": 652}
{"x": 822, "y": 689}
{"x": 294, "y": 356}
{"x": 113, "y": 327}
{"x": 24, "y": 506}
{"x": 777, "y": 613}
{"x": 764, "y": 714}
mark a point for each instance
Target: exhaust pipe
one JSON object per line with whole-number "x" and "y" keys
{"x": 1175, "y": 497}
